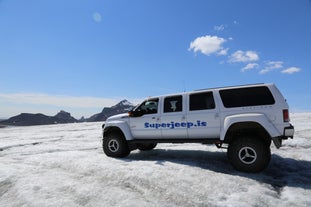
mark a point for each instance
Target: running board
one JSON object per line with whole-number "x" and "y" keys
{"x": 203, "y": 141}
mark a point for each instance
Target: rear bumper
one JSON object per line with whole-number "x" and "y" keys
{"x": 289, "y": 132}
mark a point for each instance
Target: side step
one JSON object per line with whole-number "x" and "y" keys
{"x": 203, "y": 141}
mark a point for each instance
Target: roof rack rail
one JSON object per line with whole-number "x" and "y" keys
{"x": 251, "y": 84}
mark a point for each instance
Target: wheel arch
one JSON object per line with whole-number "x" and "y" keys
{"x": 252, "y": 128}
{"x": 121, "y": 128}
{"x": 112, "y": 129}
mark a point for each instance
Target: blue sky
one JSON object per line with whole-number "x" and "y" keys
{"x": 83, "y": 55}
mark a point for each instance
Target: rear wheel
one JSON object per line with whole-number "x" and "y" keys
{"x": 146, "y": 146}
{"x": 249, "y": 154}
{"x": 115, "y": 145}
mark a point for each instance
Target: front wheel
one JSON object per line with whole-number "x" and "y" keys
{"x": 115, "y": 145}
{"x": 249, "y": 154}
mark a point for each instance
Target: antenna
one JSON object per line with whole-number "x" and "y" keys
{"x": 184, "y": 85}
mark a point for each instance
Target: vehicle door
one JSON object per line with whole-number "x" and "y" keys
{"x": 144, "y": 120}
{"x": 173, "y": 118}
{"x": 203, "y": 119}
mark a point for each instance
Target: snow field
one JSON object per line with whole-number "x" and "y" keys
{"x": 64, "y": 165}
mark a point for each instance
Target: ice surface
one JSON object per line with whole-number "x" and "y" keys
{"x": 63, "y": 165}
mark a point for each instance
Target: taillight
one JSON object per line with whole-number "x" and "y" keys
{"x": 285, "y": 115}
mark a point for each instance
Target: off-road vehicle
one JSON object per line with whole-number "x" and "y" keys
{"x": 244, "y": 119}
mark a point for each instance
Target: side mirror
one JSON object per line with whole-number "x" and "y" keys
{"x": 133, "y": 113}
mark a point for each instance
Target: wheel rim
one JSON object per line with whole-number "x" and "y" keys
{"x": 247, "y": 155}
{"x": 113, "y": 145}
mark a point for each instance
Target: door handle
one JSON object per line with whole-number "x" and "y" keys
{"x": 157, "y": 118}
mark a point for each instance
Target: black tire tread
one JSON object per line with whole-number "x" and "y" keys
{"x": 262, "y": 150}
{"x": 123, "y": 145}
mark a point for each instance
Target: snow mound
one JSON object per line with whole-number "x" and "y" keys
{"x": 63, "y": 165}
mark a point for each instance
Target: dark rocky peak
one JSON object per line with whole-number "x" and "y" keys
{"x": 121, "y": 107}
{"x": 82, "y": 119}
{"x": 123, "y": 103}
{"x": 26, "y": 119}
{"x": 63, "y": 115}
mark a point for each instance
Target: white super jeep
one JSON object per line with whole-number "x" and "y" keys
{"x": 243, "y": 119}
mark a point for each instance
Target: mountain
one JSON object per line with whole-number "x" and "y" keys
{"x": 65, "y": 117}
{"x": 122, "y": 107}
{"x": 26, "y": 119}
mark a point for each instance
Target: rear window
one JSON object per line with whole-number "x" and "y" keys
{"x": 240, "y": 97}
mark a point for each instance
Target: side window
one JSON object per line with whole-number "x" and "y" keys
{"x": 173, "y": 104}
{"x": 240, "y": 97}
{"x": 202, "y": 101}
{"x": 148, "y": 107}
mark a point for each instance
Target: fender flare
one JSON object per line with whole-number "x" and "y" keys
{"x": 258, "y": 118}
{"x": 121, "y": 126}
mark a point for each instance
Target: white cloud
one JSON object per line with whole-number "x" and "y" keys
{"x": 291, "y": 70}
{"x": 271, "y": 65}
{"x": 249, "y": 66}
{"x": 207, "y": 45}
{"x": 223, "y": 51}
{"x": 97, "y": 17}
{"x": 275, "y": 64}
{"x": 219, "y": 27}
{"x": 244, "y": 56}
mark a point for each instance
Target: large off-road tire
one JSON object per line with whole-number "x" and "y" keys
{"x": 146, "y": 146}
{"x": 249, "y": 154}
{"x": 115, "y": 145}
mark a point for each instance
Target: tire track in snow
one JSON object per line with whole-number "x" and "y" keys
{"x": 29, "y": 144}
